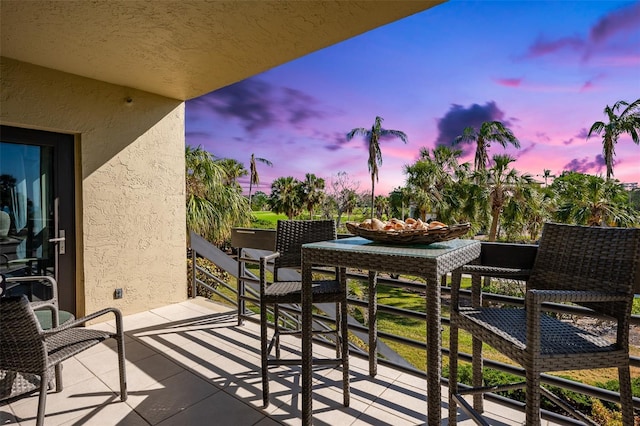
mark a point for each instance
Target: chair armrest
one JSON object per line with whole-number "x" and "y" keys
{"x": 51, "y": 306}
{"x": 36, "y": 278}
{"x": 83, "y": 320}
{"x": 269, "y": 257}
{"x": 264, "y": 260}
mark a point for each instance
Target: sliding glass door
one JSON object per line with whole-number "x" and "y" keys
{"x": 37, "y": 212}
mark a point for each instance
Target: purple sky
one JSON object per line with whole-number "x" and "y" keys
{"x": 545, "y": 69}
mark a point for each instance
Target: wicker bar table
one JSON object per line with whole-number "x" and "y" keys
{"x": 427, "y": 261}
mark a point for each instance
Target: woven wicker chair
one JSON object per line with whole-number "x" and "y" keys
{"x": 13, "y": 384}
{"x": 290, "y": 236}
{"x": 502, "y": 261}
{"x": 597, "y": 268}
{"x": 26, "y": 348}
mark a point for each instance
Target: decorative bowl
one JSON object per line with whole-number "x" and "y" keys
{"x": 410, "y": 236}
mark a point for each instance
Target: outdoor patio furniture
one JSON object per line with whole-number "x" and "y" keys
{"x": 593, "y": 267}
{"x": 430, "y": 262}
{"x": 503, "y": 261}
{"x": 26, "y": 348}
{"x": 290, "y": 236}
{"x": 42, "y": 292}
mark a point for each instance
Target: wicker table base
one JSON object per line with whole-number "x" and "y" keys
{"x": 430, "y": 262}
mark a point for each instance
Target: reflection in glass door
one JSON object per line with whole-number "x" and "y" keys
{"x": 27, "y": 207}
{"x": 35, "y": 182}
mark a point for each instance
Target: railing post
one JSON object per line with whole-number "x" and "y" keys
{"x": 194, "y": 256}
{"x": 240, "y": 280}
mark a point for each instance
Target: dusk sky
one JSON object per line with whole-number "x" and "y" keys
{"x": 545, "y": 69}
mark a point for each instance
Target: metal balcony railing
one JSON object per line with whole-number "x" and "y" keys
{"x": 252, "y": 243}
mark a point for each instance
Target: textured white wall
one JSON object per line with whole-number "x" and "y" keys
{"x": 131, "y": 171}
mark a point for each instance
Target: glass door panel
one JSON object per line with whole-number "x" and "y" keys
{"x": 36, "y": 209}
{"x": 27, "y": 209}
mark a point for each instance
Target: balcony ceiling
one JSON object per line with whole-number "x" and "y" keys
{"x": 183, "y": 48}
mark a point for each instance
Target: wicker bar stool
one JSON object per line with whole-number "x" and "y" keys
{"x": 290, "y": 236}
{"x": 502, "y": 261}
{"x": 595, "y": 267}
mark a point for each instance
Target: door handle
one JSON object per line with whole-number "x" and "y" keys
{"x": 61, "y": 240}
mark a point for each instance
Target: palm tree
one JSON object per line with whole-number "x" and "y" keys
{"x": 627, "y": 122}
{"x": 504, "y": 185}
{"x": 313, "y": 187}
{"x": 382, "y": 205}
{"x": 286, "y": 196}
{"x": 233, "y": 170}
{"x": 213, "y": 207}
{"x": 373, "y": 136}
{"x": 254, "y": 178}
{"x": 490, "y": 131}
{"x": 546, "y": 174}
{"x": 591, "y": 200}
{"x": 398, "y": 201}
{"x": 432, "y": 176}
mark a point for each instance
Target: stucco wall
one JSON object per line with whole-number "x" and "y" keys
{"x": 131, "y": 172}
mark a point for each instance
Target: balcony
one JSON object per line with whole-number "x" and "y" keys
{"x": 191, "y": 364}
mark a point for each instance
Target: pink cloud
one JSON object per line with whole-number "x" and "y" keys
{"x": 587, "y": 86}
{"x": 543, "y": 47}
{"x": 509, "y": 82}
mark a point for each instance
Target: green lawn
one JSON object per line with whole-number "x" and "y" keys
{"x": 266, "y": 219}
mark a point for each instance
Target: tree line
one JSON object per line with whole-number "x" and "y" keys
{"x": 492, "y": 194}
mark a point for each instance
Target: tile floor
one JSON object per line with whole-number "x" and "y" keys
{"x": 190, "y": 364}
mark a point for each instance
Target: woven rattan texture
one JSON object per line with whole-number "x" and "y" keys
{"x": 429, "y": 263}
{"x": 595, "y": 267}
{"x": 26, "y": 348}
{"x": 411, "y": 236}
{"x": 290, "y": 236}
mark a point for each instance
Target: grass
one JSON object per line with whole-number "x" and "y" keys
{"x": 266, "y": 219}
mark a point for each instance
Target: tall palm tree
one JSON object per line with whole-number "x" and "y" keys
{"x": 627, "y": 122}
{"x": 213, "y": 207}
{"x": 254, "y": 179}
{"x": 490, "y": 131}
{"x": 313, "y": 192}
{"x": 504, "y": 184}
{"x": 373, "y": 136}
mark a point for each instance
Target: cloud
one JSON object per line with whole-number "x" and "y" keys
{"x": 338, "y": 139}
{"x": 582, "y": 133}
{"x": 457, "y": 118}
{"x": 258, "y": 105}
{"x": 585, "y": 165}
{"x": 624, "y": 20}
{"x": 568, "y": 141}
{"x": 543, "y": 137}
{"x": 526, "y": 150}
{"x": 542, "y": 47}
{"x": 298, "y": 105}
{"x": 613, "y": 38}
{"x": 509, "y": 82}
